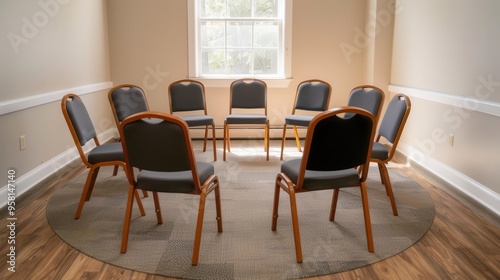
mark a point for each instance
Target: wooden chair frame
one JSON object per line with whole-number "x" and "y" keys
{"x": 227, "y": 138}
{"x": 384, "y": 173}
{"x": 284, "y": 183}
{"x": 204, "y": 111}
{"x": 115, "y": 113}
{"x": 211, "y": 184}
{"x": 295, "y": 131}
{"x": 93, "y": 168}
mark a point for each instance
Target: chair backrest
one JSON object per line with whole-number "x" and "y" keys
{"x": 187, "y": 95}
{"x": 126, "y": 100}
{"x": 248, "y": 94}
{"x": 312, "y": 95}
{"x": 157, "y": 141}
{"x": 394, "y": 120}
{"x": 368, "y": 97}
{"x": 79, "y": 122}
{"x": 335, "y": 142}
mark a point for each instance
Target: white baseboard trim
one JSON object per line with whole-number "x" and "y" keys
{"x": 44, "y": 98}
{"x": 458, "y": 180}
{"x": 48, "y": 168}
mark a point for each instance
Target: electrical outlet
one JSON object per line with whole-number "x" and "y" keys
{"x": 22, "y": 142}
{"x": 451, "y": 138}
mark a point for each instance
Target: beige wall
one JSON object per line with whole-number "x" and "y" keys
{"x": 451, "y": 53}
{"x": 85, "y": 42}
{"x": 46, "y": 49}
{"x": 151, "y": 36}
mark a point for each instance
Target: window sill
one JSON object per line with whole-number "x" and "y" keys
{"x": 225, "y": 82}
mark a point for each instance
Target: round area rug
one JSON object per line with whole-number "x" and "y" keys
{"x": 247, "y": 248}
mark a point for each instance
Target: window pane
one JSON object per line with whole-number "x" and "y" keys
{"x": 240, "y": 8}
{"x": 213, "y": 61}
{"x": 213, "y": 8}
{"x": 239, "y": 34}
{"x": 239, "y": 61}
{"x": 212, "y": 34}
{"x": 266, "y": 8}
{"x": 266, "y": 62}
{"x": 266, "y": 34}
{"x": 239, "y": 37}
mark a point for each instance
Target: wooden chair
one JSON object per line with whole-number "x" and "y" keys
{"x": 82, "y": 131}
{"x": 247, "y": 94}
{"x": 312, "y": 96}
{"x": 189, "y": 96}
{"x": 160, "y": 147}
{"x": 126, "y": 100}
{"x": 334, "y": 147}
{"x": 391, "y": 128}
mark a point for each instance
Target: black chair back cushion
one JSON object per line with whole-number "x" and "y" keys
{"x": 340, "y": 143}
{"x": 312, "y": 96}
{"x": 248, "y": 95}
{"x": 156, "y": 145}
{"x": 392, "y": 118}
{"x": 80, "y": 119}
{"x": 129, "y": 101}
{"x": 187, "y": 97}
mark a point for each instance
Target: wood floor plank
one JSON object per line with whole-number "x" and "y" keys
{"x": 461, "y": 244}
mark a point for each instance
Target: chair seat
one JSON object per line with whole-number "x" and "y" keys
{"x": 106, "y": 152}
{"x": 175, "y": 182}
{"x": 379, "y": 151}
{"x": 300, "y": 120}
{"x": 198, "y": 120}
{"x": 246, "y": 119}
{"x": 319, "y": 180}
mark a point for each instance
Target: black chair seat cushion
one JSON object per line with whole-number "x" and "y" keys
{"x": 174, "y": 182}
{"x": 198, "y": 120}
{"x": 379, "y": 151}
{"x": 246, "y": 119}
{"x": 106, "y": 152}
{"x": 320, "y": 180}
{"x": 300, "y": 120}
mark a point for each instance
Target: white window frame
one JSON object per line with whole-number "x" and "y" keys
{"x": 224, "y": 81}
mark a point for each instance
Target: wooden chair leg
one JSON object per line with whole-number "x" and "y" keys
{"x": 145, "y": 193}
{"x": 115, "y": 170}
{"x": 388, "y": 187}
{"x": 297, "y": 139}
{"x": 128, "y": 216}
{"x": 228, "y": 139}
{"x": 283, "y": 138}
{"x": 214, "y": 139}
{"x": 295, "y": 223}
{"x": 266, "y": 140}
{"x": 199, "y": 226}
{"x": 333, "y": 208}
{"x": 157, "y": 208}
{"x": 224, "y": 141}
{"x": 218, "y": 208}
{"x": 139, "y": 203}
{"x": 87, "y": 190}
{"x": 206, "y": 138}
{"x": 91, "y": 184}
{"x": 366, "y": 213}
{"x": 381, "y": 172}
{"x": 276, "y": 202}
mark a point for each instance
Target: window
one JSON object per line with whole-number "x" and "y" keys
{"x": 240, "y": 38}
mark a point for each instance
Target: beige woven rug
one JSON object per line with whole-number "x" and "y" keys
{"x": 247, "y": 249}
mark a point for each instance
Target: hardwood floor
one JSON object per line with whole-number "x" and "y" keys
{"x": 462, "y": 243}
